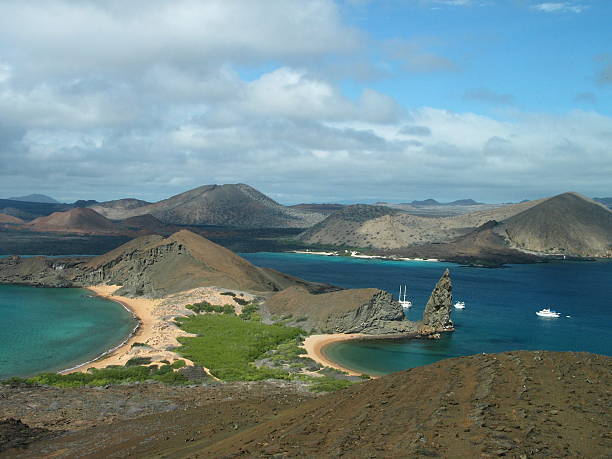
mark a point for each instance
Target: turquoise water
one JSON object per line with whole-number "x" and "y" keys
{"x": 47, "y": 329}
{"x": 500, "y": 306}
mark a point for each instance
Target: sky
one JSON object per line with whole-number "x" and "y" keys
{"x": 306, "y": 100}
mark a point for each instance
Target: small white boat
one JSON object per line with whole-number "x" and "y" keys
{"x": 404, "y": 303}
{"x": 459, "y": 305}
{"x": 548, "y": 313}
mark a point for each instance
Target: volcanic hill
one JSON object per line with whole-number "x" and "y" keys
{"x": 568, "y": 224}
{"x": 117, "y": 209}
{"x": 4, "y": 218}
{"x": 79, "y": 220}
{"x": 155, "y": 266}
{"x": 234, "y": 205}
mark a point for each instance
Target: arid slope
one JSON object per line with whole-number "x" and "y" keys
{"x": 515, "y": 404}
{"x": 568, "y": 224}
{"x": 236, "y": 205}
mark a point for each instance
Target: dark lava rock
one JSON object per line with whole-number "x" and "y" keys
{"x": 438, "y": 309}
{"x": 16, "y": 434}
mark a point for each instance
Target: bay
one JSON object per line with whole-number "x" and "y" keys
{"x": 49, "y": 329}
{"x": 500, "y": 306}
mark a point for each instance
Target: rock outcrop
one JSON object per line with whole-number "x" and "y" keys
{"x": 369, "y": 310}
{"x": 436, "y": 315}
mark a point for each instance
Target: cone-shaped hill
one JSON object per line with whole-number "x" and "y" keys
{"x": 4, "y": 218}
{"x": 78, "y": 220}
{"x": 568, "y": 224}
{"x": 155, "y": 266}
{"x": 236, "y": 205}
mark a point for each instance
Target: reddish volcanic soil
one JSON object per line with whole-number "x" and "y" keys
{"x": 515, "y": 404}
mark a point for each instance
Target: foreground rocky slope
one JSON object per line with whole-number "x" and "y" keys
{"x": 515, "y": 404}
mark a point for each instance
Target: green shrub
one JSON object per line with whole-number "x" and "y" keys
{"x": 104, "y": 376}
{"x": 138, "y": 361}
{"x": 250, "y": 312}
{"x": 326, "y": 384}
{"x": 178, "y": 364}
{"x": 227, "y": 345}
{"x": 205, "y": 306}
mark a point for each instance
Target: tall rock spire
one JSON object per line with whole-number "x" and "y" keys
{"x": 438, "y": 309}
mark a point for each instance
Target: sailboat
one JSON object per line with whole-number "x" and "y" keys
{"x": 406, "y": 304}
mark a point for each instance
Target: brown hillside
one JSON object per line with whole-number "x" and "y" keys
{"x": 117, "y": 209}
{"x": 516, "y": 404}
{"x": 79, "y": 220}
{"x": 568, "y": 224}
{"x": 236, "y": 205}
{"x": 156, "y": 266}
{"x": 4, "y": 218}
{"x": 385, "y": 228}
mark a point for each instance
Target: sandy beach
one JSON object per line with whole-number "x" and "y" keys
{"x": 315, "y": 343}
{"x": 156, "y": 332}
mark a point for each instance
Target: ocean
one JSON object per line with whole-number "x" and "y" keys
{"x": 499, "y": 314}
{"x": 48, "y": 329}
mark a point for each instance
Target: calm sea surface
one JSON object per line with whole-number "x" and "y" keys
{"x": 500, "y": 306}
{"x": 47, "y": 329}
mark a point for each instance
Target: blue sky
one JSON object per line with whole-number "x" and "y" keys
{"x": 306, "y": 100}
{"x": 533, "y": 59}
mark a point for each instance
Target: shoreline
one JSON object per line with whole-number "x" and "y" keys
{"x": 143, "y": 327}
{"x": 114, "y": 349}
{"x": 315, "y": 347}
{"x": 357, "y": 255}
{"x": 156, "y": 332}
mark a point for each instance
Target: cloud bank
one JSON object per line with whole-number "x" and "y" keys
{"x": 149, "y": 98}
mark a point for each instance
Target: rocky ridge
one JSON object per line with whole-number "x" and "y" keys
{"x": 369, "y": 311}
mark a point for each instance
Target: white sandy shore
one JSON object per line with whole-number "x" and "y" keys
{"x": 314, "y": 345}
{"x": 156, "y": 329}
{"x": 362, "y": 256}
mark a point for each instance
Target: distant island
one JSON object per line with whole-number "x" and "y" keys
{"x": 567, "y": 226}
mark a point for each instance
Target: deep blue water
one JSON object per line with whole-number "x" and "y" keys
{"x": 500, "y": 306}
{"x": 48, "y": 329}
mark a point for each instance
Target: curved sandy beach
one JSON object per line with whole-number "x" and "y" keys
{"x": 314, "y": 345}
{"x": 156, "y": 328}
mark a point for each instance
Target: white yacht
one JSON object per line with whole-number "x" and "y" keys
{"x": 406, "y": 304}
{"x": 459, "y": 305}
{"x": 548, "y": 313}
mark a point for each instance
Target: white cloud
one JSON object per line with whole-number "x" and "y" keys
{"x": 112, "y": 36}
{"x": 110, "y": 99}
{"x": 560, "y": 7}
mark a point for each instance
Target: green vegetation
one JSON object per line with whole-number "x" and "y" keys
{"x": 134, "y": 361}
{"x": 327, "y": 384}
{"x": 228, "y": 345}
{"x": 104, "y": 376}
{"x": 178, "y": 364}
{"x": 205, "y": 306}
{"x": 241, "y": 301}
{"x": 139, "y": 345}
{"x": 251, "y": 312}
